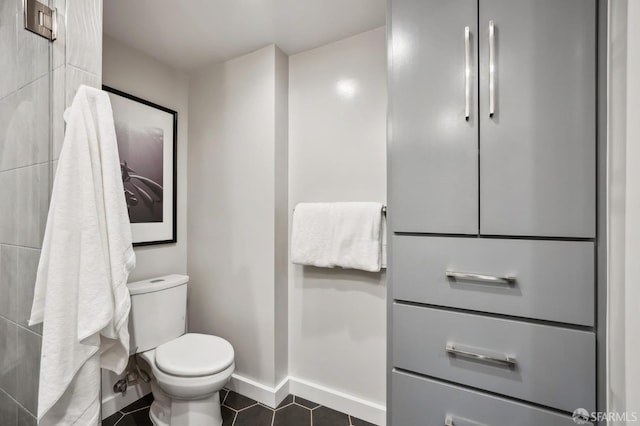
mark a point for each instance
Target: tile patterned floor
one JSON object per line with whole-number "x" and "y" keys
{"x": 136, "y": 414}
{"x": 238, "y": 410}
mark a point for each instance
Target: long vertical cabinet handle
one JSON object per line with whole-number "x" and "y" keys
{"x": 492, "y": 67}
{"x": 467, "y": 73}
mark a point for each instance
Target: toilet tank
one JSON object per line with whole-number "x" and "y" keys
{"x": 158, "y": 311}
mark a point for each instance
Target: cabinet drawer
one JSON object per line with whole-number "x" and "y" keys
{"x": 417, "y": 401}
{"x": 552, "y": 366}
{"x": 554, "y": 280}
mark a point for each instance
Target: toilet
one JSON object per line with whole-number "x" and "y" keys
{"x": 187, "y": 369}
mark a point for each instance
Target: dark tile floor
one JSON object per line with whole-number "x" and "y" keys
{"x": 136, "y": 414}
{"x": 238, "y": 410}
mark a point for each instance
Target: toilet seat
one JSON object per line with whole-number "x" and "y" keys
{"x": 184, "y": 387}
{"x": 194, "y": 355}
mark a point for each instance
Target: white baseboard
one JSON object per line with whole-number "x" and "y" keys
{"x": 116, "y": 402}
{"x": 269, "y": 396}
{"x": 340, "y": 401}
{"x": 337, "y": 400}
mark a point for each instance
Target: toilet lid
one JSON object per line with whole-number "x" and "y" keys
{"x": 192, "y": 355}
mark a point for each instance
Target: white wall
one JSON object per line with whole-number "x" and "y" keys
{"x": 617, "y": 128}
{"x": 240, "y": 202}
{"x": 237, "y": 202}
{"x": 133, "y": 72}
{"x": 337, "y": 152}
{"x": 632, "y": 239}
{"x": 282, "y": 215}
{"x": 624, "y": 207}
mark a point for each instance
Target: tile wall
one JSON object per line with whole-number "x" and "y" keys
{"x": 37, "y": 81}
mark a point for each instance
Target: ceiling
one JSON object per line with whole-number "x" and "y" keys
{"x": 187, "y": 34}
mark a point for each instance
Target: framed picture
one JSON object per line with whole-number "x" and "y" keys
{"x": 147, "y": 138}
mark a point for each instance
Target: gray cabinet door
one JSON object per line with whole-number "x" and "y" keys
{"x": 433, "y": 150}
{"x": 537, "y": 152}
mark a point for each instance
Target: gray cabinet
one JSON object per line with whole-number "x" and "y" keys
{"x": 492, "y": 211}
{"x": 525, "y": 168}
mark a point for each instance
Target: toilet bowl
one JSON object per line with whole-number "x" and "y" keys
{"x": 187, "y": 374}
{"x": 187, "y": 369}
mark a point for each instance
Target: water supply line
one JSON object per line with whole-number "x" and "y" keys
{"x": 132, "y": 375}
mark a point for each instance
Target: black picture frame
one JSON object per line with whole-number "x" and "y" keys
{"x": 126, "y": 105}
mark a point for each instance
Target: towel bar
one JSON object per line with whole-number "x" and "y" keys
{"x": 384, "y": 209}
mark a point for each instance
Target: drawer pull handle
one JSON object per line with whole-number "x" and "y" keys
{"x": 506, "y": 360}
{"x": 481, "y": 277}
{"x": 449, "y": 421}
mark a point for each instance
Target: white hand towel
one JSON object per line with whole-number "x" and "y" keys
{"x": 81, "y": 293}
{"x": 348, "y": 235}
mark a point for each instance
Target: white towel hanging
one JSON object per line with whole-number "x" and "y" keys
{"x": 81, "y": 293}
{"x": 347, "y": 235}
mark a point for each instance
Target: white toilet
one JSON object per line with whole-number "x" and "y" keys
{"x": 188, "y": 370}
